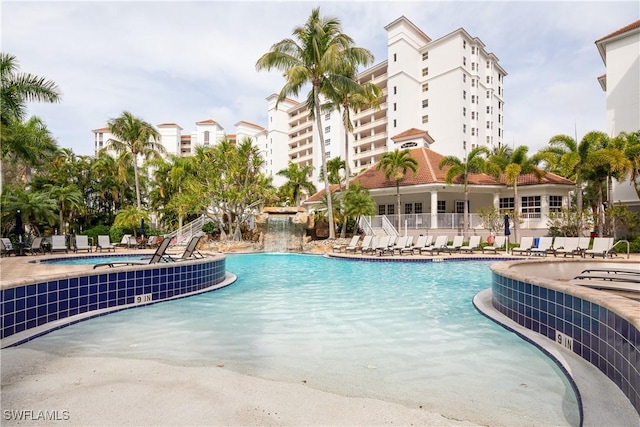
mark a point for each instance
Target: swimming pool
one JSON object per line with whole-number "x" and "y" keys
{"x": 403, "y": 332}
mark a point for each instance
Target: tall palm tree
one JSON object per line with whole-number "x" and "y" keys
{"x": 68, "y": 199}
{"x": 631, "y": 143}
{"x": 460, "y": 169}
{"x": 395, "y": 165}
{"x": 136, "y": 136}
{"x": 297, "y": 181}
{"x": 315, "y": 55}
{"x": 358, "y": 202}
{"x": 510, "y": 164}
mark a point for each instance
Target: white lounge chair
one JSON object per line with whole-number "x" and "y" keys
{"x": 569, "y": 247}
{"x": 352, "y": 243}
{"x": 419, "y": 243}
{"x": 601, "y": 247}
{"x": 545, "y": 245}
{"x": 383, "y": 245}
{"x": 474, "y": 243}
{"x": 81, "y": 243}
{"x": 158, "y": 256}
{"x": 104, "y": 242}
{"x": 401, "y": 244}
{"x": 367, "y": 244}
{"x": 455, "y": 245}
{"x": 437, "y": 247}
{"x": 59, "y": 243}
{"x": 6, "y": 246}
{"x": 498, "y": 244}
{"x": 526, "y": 243}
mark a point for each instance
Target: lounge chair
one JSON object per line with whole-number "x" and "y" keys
{"x": 474, "y": 243}
{"x": 124, "y": 242}
{"x": 6, "y": 247}
{"x": 526, "y": 243}
{"x": 601, "y": 247}
{"x": 383, "y": 245}
{"x": 618, "y": 279}
{"x": 568, "y": 246}
{"x": 352, "y": 243}
{"x": 455, "y": 245}
{"x": 408, "y": 247}
{"x": 437, "y": 247}
{"x": 158, "y": 256}
{"x": 36, "y": 246}
{"x": 498, "y": 244}
{"x": 612, "y": 271}
{"x": 583, "y": 245}
{"x": 545, "y": 245}
{"x": 419, "y": 243}
{"x": 81, "y": 243}
{"x": 367, "y": 244}
{"x": 59, "y": 244}
{"x": 152, "y": 242}
{"x": 104, "y": 242}
{"x": 190, "y": 250}
{"x": 401, "y": 244}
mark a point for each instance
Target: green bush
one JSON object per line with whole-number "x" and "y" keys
{"x": 116, "y": 233}
{"x": 95, "y": 231}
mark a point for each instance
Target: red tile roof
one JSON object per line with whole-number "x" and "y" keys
{"x": 622, "y": 30}
{"x": 207, "y": 122}
{"x": 100, "y": 130}
{"x": 244, "y": 122}
{"x": 429, "y": 173}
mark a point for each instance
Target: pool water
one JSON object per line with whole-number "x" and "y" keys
{"x": 402, "y": 332}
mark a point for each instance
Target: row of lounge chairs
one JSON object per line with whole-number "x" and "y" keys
{"x": 602, "y": 246}
{"x": 616, "y": 279}
{"x": 408, "y": 245}
{"x": 79, "y": 243}
{"x": 160, "y": 255}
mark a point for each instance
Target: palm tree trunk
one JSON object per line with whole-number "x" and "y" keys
{"x": 343, "y": 232}
{"x": 579, "y": 204}
{"x": 398, "y": 196}
{"x": 323, "y": 151}
{"x": 465, "y": 212}
{"x": 516, "y": 208}
{"x": 600, "y": 213}
{"x": 61, "y": 220}
{"x": 137, "y": 179}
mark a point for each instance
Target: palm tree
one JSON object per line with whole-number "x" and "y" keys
{"x": 131, "y": 217}
{"x": 460, "y": 169}
{"x": 632, "y": 152}
{"x": 297, "y": 182}
{"x": 510, "y": 164}
{"x": 316, "y": 56}
{"x": 395, "y": 165}
{"x": 358, "y": 202}
{"x": 68, "y": 198}
{"x": 137, "y": 137}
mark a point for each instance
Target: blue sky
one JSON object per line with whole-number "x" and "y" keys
{"x": 183, "y": 62}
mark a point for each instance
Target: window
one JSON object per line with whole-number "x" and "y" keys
{"x": 488, "y": 110}
{"x": 395, "y": 107}
{"x": 327, "y": 129}
{"x": 408, "y": 208}
{"x": 473, "y": 131}
{"x": 464, "y": 78}
{"x": 382, "y": 210}
{"x": 327, "y": 141}
{"x": 488, "y": 79}
{"x": 395, "y": 123}
{"x": 499, "y": 118}
{"x": 464, "y": 111}
{"x": 417, "y": 208}
{"x": 464, "y": 44}
{"x": 473, "y": 115}
{"x": 473, "y": 66}
{"x": 473, "y": 50}
{"x": 507, "y": 203}
{"x": 464, "y": 94}
{"x": 395, "y": 90}
{"x": 425, "y": 71}
{"x": 328, "y": 154}
{"x": 464, "y": 128}
{"x": 425, "y": 87}
{"x": 464, "y": 60}
{"x": 531, "y": 206}
{"x": 425, "y": 103}
{"x": 391, "y": 209}
{"x": 327, "y": 116}
{"x": 425, "y": 119}
{"x": 488, "y": 140}
{"x": 488, "y": 64}
{"x": 473, "y": 99}
{"x": 395, "y": 57}
{"x": 459, "y": 206}
{"x": 488, "y": 94}
{"x": 488, "y": 125}
{"x": 442, "y": 206}
{"x": 473, "y": 82}
{"x": 555, "y": 203}
{"x": 499, "y": 132}
{"x": 206, "y": 138}
{"x": 425, "y": 55}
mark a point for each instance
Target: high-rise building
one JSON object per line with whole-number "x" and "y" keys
{"x": 452, "y": 88}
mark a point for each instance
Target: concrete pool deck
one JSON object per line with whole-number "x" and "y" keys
{"x": 85, "y": 391}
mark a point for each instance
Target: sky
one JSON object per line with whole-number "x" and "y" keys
{"x": 183, "y": 62}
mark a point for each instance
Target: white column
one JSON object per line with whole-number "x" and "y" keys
{"x": 434, "y": 209}
{"x": 496, "y": 200}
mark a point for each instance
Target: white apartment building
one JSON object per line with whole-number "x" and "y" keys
{"x": 450, "y": 87}
{"x": 620, "y": 52}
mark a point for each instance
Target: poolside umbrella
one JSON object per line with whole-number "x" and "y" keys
{"x": 507, "y": 232}
{"x": 141, "y": 231}
{"x": 19, "y": 229}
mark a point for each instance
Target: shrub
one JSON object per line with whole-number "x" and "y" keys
{"x": 97, "y": 230}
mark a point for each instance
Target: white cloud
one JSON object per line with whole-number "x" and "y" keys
{"x": 185, "y": 62}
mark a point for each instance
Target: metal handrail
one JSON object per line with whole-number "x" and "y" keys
{"x": 622, "y": 241}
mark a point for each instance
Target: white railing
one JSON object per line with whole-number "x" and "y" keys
{"x": 388, "y": 227}
{"x": 365, "y": 225}
{"x": 184, "y": 233}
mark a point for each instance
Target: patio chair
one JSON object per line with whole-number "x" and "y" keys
{"x": 437, "y": 247}
{"x": 474, "y": 243}
{"x": 498, "y": 244}
{"x": 6, "y": 247}
{"x": 583, "y": 245}
{"x": 545, "y": 245}
{"x": 455, "y": 245}
{"x": 59, "y": 244}
{"x": 383, "y": 245}
{"x": 419, "y": 243}
{"x": 104, "y": 242}
{"x": 569, "y": 247}
{"x": 526, "y": 243}
{"x": 81, "y": 243}
{"x": 124, "y": 242}
{"x": 36, "y": 246}
{"x": 152, "y": 242}
{"x": 190, "y": 250}
{"x": 366, "y": 245}
{"x": 400, "y": 244}
{"x": 408, "y": 247}
{"x": 158, "y": 256}
{"x": 558, "y": 242}
{"x": 601, "y": 247}
{"x": 352, "y": 243}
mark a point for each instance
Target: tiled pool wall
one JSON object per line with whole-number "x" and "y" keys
{"x": 595, "y": 333}
{"x": 36, "y": 304}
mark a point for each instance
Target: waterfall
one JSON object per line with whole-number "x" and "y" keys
{"x": 282, "y": 234}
